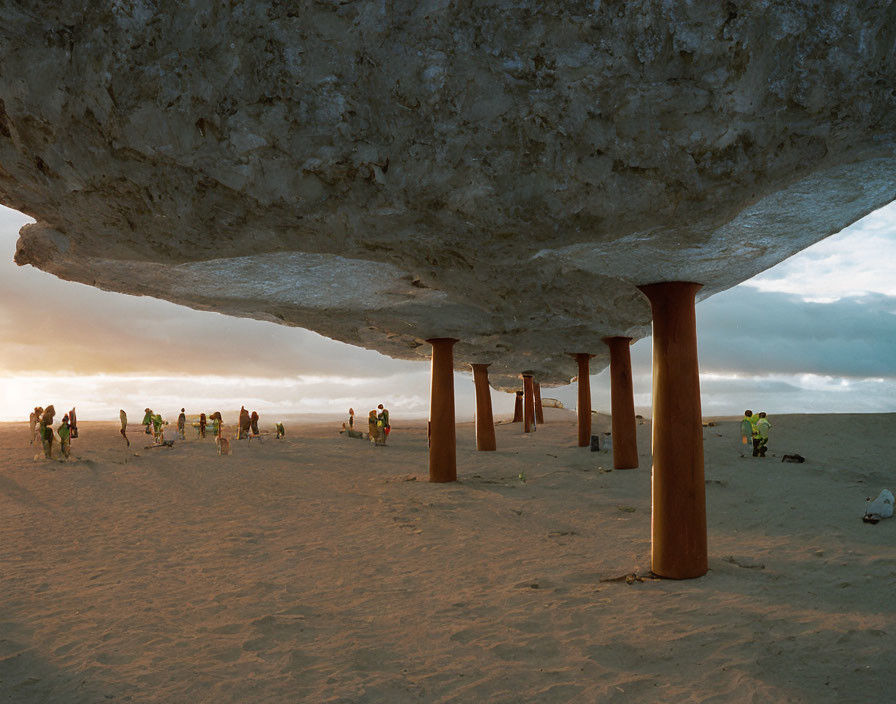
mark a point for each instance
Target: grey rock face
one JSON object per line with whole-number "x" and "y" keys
{"x": 503, "y": 173}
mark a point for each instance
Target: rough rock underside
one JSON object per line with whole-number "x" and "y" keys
{"x": 505, "y": 173}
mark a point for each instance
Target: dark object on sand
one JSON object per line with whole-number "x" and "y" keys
{"x": 595, "y": 443}
{"x": 793, "y": 458}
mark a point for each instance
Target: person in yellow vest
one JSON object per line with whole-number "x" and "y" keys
{"x": 762, "y": 426}
{"x": 373, "y": 428}
{"x": 748, "y": 433}
{"x": 65, "y": 436}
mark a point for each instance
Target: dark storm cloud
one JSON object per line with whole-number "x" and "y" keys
{"x": 755, "y": 332}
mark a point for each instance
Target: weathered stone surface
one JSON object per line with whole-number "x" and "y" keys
{"x": 503, "y": 173}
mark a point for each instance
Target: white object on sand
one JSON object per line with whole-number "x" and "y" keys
{"x": 882, "y": 506}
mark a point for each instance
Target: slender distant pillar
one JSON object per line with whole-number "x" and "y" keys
{"x": 518, "y": 408}
{"x": 528, "y": 404}
{"x": 622, "y": 399}
{"x": 485, "y": 424}
{"x": 442, "y": 440}
{"x": 539, "y": 411}
{"x": 584, "y": 404}
{"x": 679, "y": 492}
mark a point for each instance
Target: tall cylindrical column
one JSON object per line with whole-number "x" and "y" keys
{"x": 442, "y": 440}
{"x": 518, "y": 408}
{"x": 528, "y": 404}
{"x": 539, "y": 411}
{"x": 622, "y": 400}
{"x": 485, "y": 424}
{"x": 679, "y": 492}
{"x": 584, "y": 404}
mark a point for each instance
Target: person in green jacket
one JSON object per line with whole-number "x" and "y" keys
{"x": 65, "y": 436}
{"x": 157, "y": 426}
{"x": 147, "y": 421}
{"x": 762, "y": 426}
{"x": 748, "y": 430}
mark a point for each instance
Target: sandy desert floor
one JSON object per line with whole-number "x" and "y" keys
{"x": 322, "y": 569}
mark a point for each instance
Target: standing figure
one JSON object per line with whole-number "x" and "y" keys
{"x": 281, "y": 432}
{"x": 73, "y": 423}
{"x": 351, "y": 417}
{"x": 762, "y": 426}
{"x": 372, "y": 428}
{"x": 217, "y": 422}
{"x": 243, "y": 424}
{"x": 147, "y": 421}
{"x": 124, "y": 426}
{"x": 383, "y": 417}
{"x": 46, "y": 436}
{"x": 34, "y": 421}
{"x": 182, "y": 424}
{"x": 157, "y": 423}
{"x": 748, "y": 429}
{"x": 65, "y": 436}
{"x": 253, "y": 425}
{"x": 202, "y": 424}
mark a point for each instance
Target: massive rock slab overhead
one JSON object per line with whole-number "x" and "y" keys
{"x": 504, "y": 173}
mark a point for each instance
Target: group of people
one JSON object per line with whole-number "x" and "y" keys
{"x": 754, "y": 429}
{"x": 378, "y": 427}
{"x": 41, "y": 420}
{"x": 249, "y": 425}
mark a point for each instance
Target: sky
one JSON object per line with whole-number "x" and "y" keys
{"x": 817, "y": 333}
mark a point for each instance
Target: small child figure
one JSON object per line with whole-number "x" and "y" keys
{"x": 65, "y": 436}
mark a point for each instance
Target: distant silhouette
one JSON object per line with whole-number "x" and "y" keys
{"x": 124, "y": 426}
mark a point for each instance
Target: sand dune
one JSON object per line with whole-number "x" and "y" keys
{"x": 322, "y": 569}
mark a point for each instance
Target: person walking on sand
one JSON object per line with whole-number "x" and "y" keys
{"x": 182, "y": 424}
{"x": 281, "y": 431}
{"x": 157, "y": 423}
{"x": 253, "y": 426}
{"x": 124, "y": 426}
{"x": 73, "y": 423}
{"x": 373, "y": 430}
{"x": 65, "y": 437}
{"x": 202, "y": 423}
{"x": 243, "y": 424}
{"x": 748, "y": 430}
{"x": 351, "y": 417}
{"x": 762, "y": 426}
{"x": 383, "y": 417}
{"x": 46, "y": 436}
{"x": 217, "y": 422}
{"x": 34, "y": 421}
{"x": 147, "y": 421}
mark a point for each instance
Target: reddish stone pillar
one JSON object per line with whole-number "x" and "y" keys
{"x": 485, "y": 424}
{"x": 539, "y": 411}
{"x": 529, "y": 404}
{"x": 679, "y": 492}
{"x": 442, "y": 439}
{"x": 518, "y": 408}
{"x": 622, "y": 400}
{"x": 584, "y": 405}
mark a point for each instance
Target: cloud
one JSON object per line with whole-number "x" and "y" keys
{"x": 761, "y": 344}
{"x": 855, "y": 261}
{"x": 755, "y": 332}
